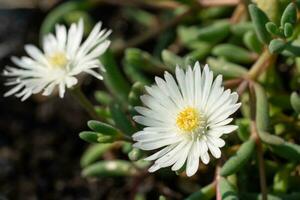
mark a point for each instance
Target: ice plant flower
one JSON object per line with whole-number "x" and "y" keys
{"x": 64, "y": 56}
{"x": 185, "y": 119}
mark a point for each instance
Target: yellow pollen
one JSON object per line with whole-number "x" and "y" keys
{"x": 58, "y": 59}
{"x": 189, "y": 119}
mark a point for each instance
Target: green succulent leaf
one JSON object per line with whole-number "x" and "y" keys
{"x": 102, "y": 128}
{"x": 241, "y": 28}
{"x": 289, "y": 15}
{"x": 287, "y": 150}
{"x": 105, "y": 138}
{"x": 121, "y": 120}
{"x": 137, "y": 90}
{"x": 251, "y": 42}
{"x": 112, "y": 168}
{"x": 262, "y": 117}
{"x": 113, "y": 77}
{"x": 262, "y": 108}
{"x": 277, "y": 45}
{"x": 295, "y": 102}
{"x": 135, "y": 154}
{"x": 243, "y": 131}
{"x": 259, "y": 19}
{"x": 272, "y": 28}
{"x": 227, "y": 69}
{"x": 89, "y": 136}
{"x": 281, "y": 181}
{"x": 228, "y": 192}
{"x": 288, "y": 30}
{"x": 211, "y": 34}
{"x": 205, "y": 193}
{"x": 240, "y": 55}
{"x": 93, "y": 153}
{"x": 103, "y": 97}
{"x": 236, "y": 162}
{"x": 172, "y": 60}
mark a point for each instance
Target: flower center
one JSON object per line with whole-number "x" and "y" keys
{"x": 189, "y": 119}
{"x": 58, "y": 59}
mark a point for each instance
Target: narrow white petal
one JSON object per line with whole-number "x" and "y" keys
{"x": 182, "y": 156}
{"x": 193, "y": 160}
{"x": 214, "y": 150}
{"x": 160, "y": 153}
{"x": 154, "y": 167}
{"x": 205, "y": 158}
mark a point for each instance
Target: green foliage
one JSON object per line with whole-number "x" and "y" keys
{"x": 113, "y": 79}
{"x": 212, "y": 34}
{"x": 135, "y": 93}
{"x": 259, "y": 19}
{"x": 121, "y": 120}
{"x": 103, "y": 97}
{"x": 262, "y": 117}
{"x": 113, "y": 168}
{"x": 89, "y": 136}
{"x": 289, "y": 15}
{"x": 277, "y": 45}
{"x": 228, "y": 69}
{"x": 240, "y": 55}
{"x": 282, "y": 179}
{"x": 205, "y": 193}
{"x": 295, "y": 102}
{"x": 251, "y": 42}
{"x": 93, "y": 153}
{"x": 228, "y": 192}
{"x": 135, "y": 154}
{"x": 288, "y": 151}
{"x": 236, "y": 162}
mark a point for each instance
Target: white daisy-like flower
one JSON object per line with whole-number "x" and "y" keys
{"x": 64, "y": 56}
{"x": 185, "y": 119}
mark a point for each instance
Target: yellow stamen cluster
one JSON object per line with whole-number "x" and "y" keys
{"x": 189, "y": 119}
{"x": 58, "y": 59}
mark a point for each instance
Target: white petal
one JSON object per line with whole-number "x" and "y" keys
{"x": 193, "y": 160}
{"x": 218, "y": 142}
{"x": 160, "y": 153}
{"x": 172, "y": 156}
{"x": 154, "y": 168}
{"x": 215, "y": 151}
{"x": 150, "y": 145}
{"x": 205, "y": 158}
{"x": 182, "y": 156}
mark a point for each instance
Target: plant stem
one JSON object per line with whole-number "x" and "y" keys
{"x": 232, "y": 82}
{"x": 217, "y": 182}
{"x": 261, "y": 64}
{"x": 238, "y": 13}
{"x": 84, "y": 102}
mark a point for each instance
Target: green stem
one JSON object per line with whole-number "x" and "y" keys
{"x": 84, "y": 102}
{"x": 261, "y": 64}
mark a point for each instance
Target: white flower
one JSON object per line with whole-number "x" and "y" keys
{"x": 185, "y": 118}
{"x": 63, "y": 57}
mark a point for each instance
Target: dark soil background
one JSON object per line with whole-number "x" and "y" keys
{"x": 39, "y": 144}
